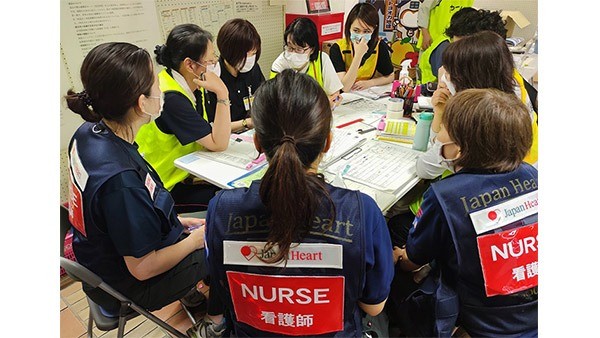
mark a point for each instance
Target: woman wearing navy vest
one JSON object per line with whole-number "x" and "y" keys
{"x": 125, "y": 229}
{"x": 292, "y": 254}
{"x": 361, "y": 59}
{"x": 191, "y": 69}
{"x": 480, "y": 223}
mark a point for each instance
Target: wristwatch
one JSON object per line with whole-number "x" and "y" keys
{"x": 226, "y": 102}
{"x": 244, "y": 123}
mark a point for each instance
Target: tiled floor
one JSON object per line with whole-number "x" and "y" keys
{"x": 74, "y": 313}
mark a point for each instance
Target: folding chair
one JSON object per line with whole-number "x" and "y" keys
{"x": 128, "y": 308}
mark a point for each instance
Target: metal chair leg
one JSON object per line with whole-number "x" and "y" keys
{"x": 90, "y": 324}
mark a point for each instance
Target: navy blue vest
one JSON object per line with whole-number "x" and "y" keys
{"x": 467, "y": 192}
{"x": 104, "y": 155}
{"x": 241, "y": 216}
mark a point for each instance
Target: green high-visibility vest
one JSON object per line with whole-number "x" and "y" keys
{"x": 439, "y": 20}
{"x": 160, "y": 149}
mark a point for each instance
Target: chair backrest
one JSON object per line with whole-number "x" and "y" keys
{"x": 80, "y": 273}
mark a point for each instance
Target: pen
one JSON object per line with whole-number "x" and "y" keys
{"x": 348, "y": 123}
{"x": 257, "y": 161}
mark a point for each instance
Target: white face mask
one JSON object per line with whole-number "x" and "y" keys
{"x": 438, "y": 149}
{"x": 296, "y": 60}
{"x": 449, "y": 84}
{"x": 216, "y": 68}
{"x": 161, "y": 99}
{"x": 250, "y": 61}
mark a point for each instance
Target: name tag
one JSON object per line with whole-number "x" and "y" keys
{"x": 248, "y": 100}
{"x": 76, "y": 206}
{"x": 150, "y": 185}
{"x": 305, "y": 255}
{"x": 290, "y": 305}
{"x": 509, "y": 260}
{"x": 505, "y": 213}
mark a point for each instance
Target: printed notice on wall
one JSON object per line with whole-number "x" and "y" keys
{"x": 88, "y": 23}
{"x": 210, "y": 15}
{"x": 248, "y": 7}
{"x": 331, "y": 28}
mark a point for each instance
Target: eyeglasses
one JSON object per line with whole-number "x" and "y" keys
{"x": 152, "y": 97}
{"x": 298, "y": 50}
{"x": 209, "y": 62}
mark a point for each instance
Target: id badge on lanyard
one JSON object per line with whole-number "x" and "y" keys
{"x": 248, "y": 100}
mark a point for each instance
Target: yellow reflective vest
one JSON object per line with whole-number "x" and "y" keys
{"x": 439, "y": 20}
{"x": 532, "y": 156}
{"x": 367, "y": 70}
{"x": 160, "y": 149}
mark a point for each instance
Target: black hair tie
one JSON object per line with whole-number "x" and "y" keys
{"x": 287, "y": 138}
{"x": 85, "y": 97}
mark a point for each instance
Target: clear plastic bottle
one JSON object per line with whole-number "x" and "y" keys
{"x": 421, "y": 139}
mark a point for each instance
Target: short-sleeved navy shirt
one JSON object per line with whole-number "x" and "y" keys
{"x": 239, "y": 87}
{"x": 384, "y": 62}
{"x": 129, "y": 222}
{"x": 179, "y": 117}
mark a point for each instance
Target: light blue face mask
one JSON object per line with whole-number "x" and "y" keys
{"x": 356, "y": 37}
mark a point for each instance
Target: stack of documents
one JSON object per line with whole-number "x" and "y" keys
{"x": 343, "y": 142}
{"x": 380, "y": 165}
{"x": 375, "y": 92}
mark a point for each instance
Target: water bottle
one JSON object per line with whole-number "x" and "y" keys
{"x": 421, "y": 139}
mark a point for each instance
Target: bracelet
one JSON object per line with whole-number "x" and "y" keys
{"x": 226, "y": 102}
{"x": 244, "y": 123}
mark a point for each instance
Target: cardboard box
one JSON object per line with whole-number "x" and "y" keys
{"x": 513, "y": 18}
{"x": 330, "y": 26}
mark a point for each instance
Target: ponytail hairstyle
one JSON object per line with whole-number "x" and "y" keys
{"x": 184, "y": 41}
{"x": 114, "y": 75}
{"x": 292, "y": 119}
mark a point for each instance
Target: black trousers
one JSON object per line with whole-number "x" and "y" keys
{"x": 192, "y": 197}
{"x": 158, "y": 291}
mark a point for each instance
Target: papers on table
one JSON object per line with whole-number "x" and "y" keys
{"x": 374, "y": 92}
{"x": 343, "y": 142}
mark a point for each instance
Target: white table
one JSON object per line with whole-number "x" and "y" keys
{"x": 220, "y": 174}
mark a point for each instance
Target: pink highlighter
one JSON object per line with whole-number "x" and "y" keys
{"x": 381, "y": 125}
{"x": 256, "y": 162}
